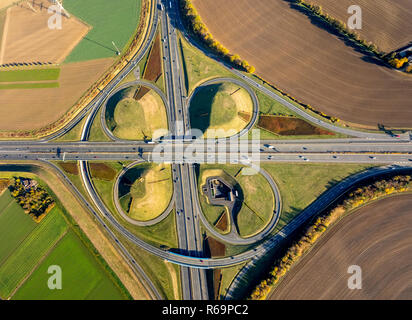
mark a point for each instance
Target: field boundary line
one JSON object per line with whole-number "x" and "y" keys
{"x": 39, "y": 263}
{"x": 4, "y": 260}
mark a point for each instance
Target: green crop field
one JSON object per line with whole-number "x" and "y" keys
{"x": 84, "y": 279}
{"x": 34, "y": 85}
{"x": 32, "y": 249}
{"x": 15, "y": 225}
{"x": 30, "y": 75}
{"x": 109, "y": 21}
{"x": 4, "y": 200}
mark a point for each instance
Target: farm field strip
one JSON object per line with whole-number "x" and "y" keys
{"x": 29, "y": 75}
{"x": 26, "y": 108}
{"x": 15, "y": 226}
{"x": 31, "y": 250}
{"x": 69, "y": 249}
{"x": 41, "y": 44}
{"x": 35, "y": 85}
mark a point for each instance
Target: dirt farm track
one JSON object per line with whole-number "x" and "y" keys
{"x": 378, "y": 238}
{"x": 310, "y": 63}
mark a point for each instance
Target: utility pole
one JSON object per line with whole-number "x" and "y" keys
{"x": 117, "y": 49}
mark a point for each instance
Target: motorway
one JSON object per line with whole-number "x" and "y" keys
{"x": 194, "y": 283}
{"x": 392, "y": 154}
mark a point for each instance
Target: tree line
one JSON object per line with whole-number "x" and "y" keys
{"x": 198, "y": 28}
{"x": 34, "y": 200}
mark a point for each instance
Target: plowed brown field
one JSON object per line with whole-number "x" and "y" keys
{"x": 378, "y": 238}
{"x": 309, "y": 62}
{"x": 27, "y": 37}
{"x": 26, "y": 109}
{"x": 386, "y": 23}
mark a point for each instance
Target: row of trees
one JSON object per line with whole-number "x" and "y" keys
{"x": 341, "y": 27}
{"x": 391, "y": 58}
{"x": 305, "y": 240}
{"x": 398, "y": 62}
{"x": 197, "y": 26}
{"x": 32, "y": 198}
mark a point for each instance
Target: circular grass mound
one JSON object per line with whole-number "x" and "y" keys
{"x": 136, "y": 113}
{"x": 145, "y": 191}
{"x": 255, "y": 195}
{"x": 223, "y": 106}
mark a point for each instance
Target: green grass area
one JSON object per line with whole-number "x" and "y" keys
{"x": 254, "y": 191}
{"x": 217, "y": 106}
{"x": 227, "y": 276}
{"x": 15, "y": 225}
{"x": 75, "y": 133}
{"x": 131, "y": 119}
{"x": 159, "y": 271}
{"x": 30, "y": 75}
{"x": 110, "y": 21}
{"x": 269, "y": 106}
{"x": 74, "y": 275}
{"x": 301, "y": 184}
{"x": 149, "y": 193}
{"x": 198, "y": 67}
{"x": 4, "y": 199}
{"x": 258, "y": 205}
{"x": 30, "y": 252}
{"x": 31, "y": 85}
{"x": 2, "y": 21}
{"x": 96, "y": 132}
{"x": 162, "y": 233}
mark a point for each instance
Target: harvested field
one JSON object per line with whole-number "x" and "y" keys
{"x": 386, "y": 23}
{"x": 287, "y": 126}
{"x": 102, "y": 171}
{"x": 309, "y": 62}
{"x": 70, "y": 167}
{"x": 27, "y": 37}
{"x": 216, "y": 248}
{"x": 26, "y": 109}
{"x": 153, "y": 69}
{"x": 377, "y": 237}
